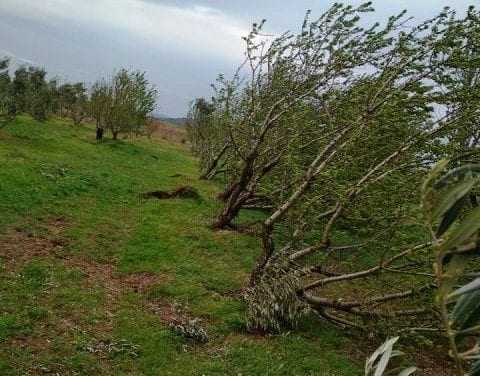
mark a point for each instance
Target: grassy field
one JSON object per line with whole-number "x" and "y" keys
{"x": 92, "y": 276}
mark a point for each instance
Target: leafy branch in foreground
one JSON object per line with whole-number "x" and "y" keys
{"x": 454, "y": 222}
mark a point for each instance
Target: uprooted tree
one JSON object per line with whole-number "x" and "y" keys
{"x": 333, "y": 129}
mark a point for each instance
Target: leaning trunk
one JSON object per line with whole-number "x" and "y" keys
{"x": 224, "y": 196}
{"x": 232, "y": 208}
{"x": 210, "y": 171}
{"x": 238, "y": 195}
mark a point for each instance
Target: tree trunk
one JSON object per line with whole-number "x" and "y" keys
{"x": 115, "y": 135}
{"x": 238, "y": 195}
{"x": 210, "y": 172}
{"x": 268, "y": 249}
{"x": 231, "y": 209}
{"x": 227, "y": 192}
{"x": 99, "y": 135}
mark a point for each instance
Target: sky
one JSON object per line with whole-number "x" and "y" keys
{"x": 181, "y": 45}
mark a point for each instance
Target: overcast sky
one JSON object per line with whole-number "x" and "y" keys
{"x": 182, "y": 45}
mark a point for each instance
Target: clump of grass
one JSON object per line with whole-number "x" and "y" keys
{"x": 191, "y": 329}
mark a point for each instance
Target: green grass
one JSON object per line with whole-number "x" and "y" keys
{"x": 57, "y": 183}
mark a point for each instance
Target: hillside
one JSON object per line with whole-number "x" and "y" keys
{"x": 176, "y": 122}
{"x": 93, "y": 276}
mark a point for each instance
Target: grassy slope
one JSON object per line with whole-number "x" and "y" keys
{"x": 57, "y": 186}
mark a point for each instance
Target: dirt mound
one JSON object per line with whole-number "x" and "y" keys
{"x": 181, "y": 192}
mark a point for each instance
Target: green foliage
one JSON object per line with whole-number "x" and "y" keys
{"x": 273, "y": 304}
{"x": 7, "y": 113}
{"x": 331, "y": 130}
{"x": 123, "y": 104}
{"x": 455, "y": 224}
{"x": 72, "y": 100}
{"x": 456, "y": 66}
{"x": 32, "y": 93}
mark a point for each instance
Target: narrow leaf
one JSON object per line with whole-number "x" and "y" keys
{"x": 434, "y": 173}
{"x": 450, "y": 217}
{"x": 380, "y": 350}
{"x": 457, "y": 172}
{"x": 451, "y": 197}
{"x": 465, "y": 230}
{"x": 474, "y": 285}
{"x": 475, "y": 371}
{"x": 467, "y": 310}
{"x": 383, "y": 362}
{"x": 408, "y": 371}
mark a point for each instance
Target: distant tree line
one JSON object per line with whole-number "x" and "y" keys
{"x": 119, "y": 105}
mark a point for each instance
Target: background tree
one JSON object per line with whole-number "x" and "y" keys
{"x": 100, "y": 106}
{"x": 205, "y": 126}
{"x": 7, "y": 110}
{"x": 39, "y": 94}
{"x": 456, "y": 65}
{"x": 32, "y": 93}
{"x": 73, "y": 101}
{"x": 20, "y": 86}
{"x": 123, "y": 104}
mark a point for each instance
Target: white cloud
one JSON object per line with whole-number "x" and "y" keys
{"x": 195, "y": 30}
{"x": 16, "y": 59}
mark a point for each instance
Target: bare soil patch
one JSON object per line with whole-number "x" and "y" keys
{"x": 18, "y": 247}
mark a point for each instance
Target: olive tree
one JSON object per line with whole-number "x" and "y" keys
{"x": 73, "y": 101}
{"x": 332, "y": 129}
{"x": 363, "y": 179}
{"x": 32, "y": 93}
{"x": 364, "y": 97}
{"x": 122, "y": 104}
{"x": 456, "y": 65}
{"x": 377, "y": 126}
{"x": 7, "y": 111}
{"x": 100, "y": 106}
{"x": 206, "y": 128}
